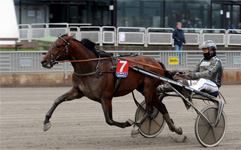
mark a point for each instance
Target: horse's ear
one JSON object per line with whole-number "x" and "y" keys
{"x": 69, "y": 37}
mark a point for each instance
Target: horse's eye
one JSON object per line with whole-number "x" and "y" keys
{"x": 58, "y": 46}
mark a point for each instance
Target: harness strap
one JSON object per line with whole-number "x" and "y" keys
{"x": 85, "y": 74}
{"x": 118, "y": 80}
{"x": 92, "y": 73}
{"x": 117, "y": 84}
{"x": 144, "y": 64}
{"x": 84, "y": 60}
{"x": 94, "y": 59}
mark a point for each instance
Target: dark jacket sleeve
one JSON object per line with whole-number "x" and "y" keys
{"x": 195, "y": 68}
{"x": 184, "y": 40}
{"x": 174, "y": 35}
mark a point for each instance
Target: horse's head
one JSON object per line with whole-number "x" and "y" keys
{"x": 58, "y": 51}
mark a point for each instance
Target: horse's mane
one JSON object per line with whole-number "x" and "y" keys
{"x": 88, "y": 44}
{"x": 91, "y": 46}
{"x": 85, "y": 42}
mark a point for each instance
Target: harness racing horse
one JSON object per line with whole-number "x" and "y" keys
{"x": 94, "y": 79}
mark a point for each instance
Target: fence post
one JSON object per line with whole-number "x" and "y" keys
{"x": 201, "y": 38}
{"x": 145, "y": 39}
{"x": 101, "y": 36}
{"x": 226, "y": 38}
{"x": 66, "y": 70}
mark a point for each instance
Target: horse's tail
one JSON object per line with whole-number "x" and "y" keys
{"x": 166, "y": 72}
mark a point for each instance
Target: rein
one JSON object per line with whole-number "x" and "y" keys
{"x": 54, "y": 60}
{"x": 92, "y": 59}
{"x": 105, "y": 58}
{"x": 145, "y": 64}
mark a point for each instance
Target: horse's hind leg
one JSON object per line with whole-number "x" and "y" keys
{"x": 149, "y": 110}
{"x": 162, "y": 108}
{"x": 72, "y": 94}
{"x": 107, "y": 108}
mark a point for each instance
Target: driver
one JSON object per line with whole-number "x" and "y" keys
{"x": 205, "y": 76}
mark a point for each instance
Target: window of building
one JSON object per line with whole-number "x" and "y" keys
{"x": 237, "y": 16}
{"x": 192, "y": 15}
{"x": 99, "y": 13}
{"x": 128, "y": 13}
{"x": 142, "y": 13}
{"x": 217, "y": 13}
{"x": 153, "y": 12}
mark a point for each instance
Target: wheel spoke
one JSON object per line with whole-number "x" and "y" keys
{"x": 157, "y": 123}
{"x": 214, "y": 135}
{"x": 204, "y": 121}
{"x": 206, "y": 134}
{"x": 149, "y": 129}
{"x": 142, "y": 108}
{"x": 208, "y": 117}
{"x": 220, "y": 127}
{"x": 202, "y": 125}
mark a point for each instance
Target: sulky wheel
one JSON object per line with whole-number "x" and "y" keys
{"x": 152, "y": 125}
{"x": 209, "y": 135}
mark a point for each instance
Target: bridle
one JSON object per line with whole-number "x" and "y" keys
{"x": 54, "y": 57}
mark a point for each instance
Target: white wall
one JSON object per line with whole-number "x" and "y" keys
{"x": 8, "y": 25}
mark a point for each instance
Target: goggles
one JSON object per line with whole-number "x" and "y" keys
{"x": 205, "y": 50}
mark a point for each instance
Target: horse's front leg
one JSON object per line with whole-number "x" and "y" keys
{"x": 107, "y": 108}
{"x": 72, "y": 94}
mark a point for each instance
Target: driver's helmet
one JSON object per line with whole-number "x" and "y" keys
{"x": 210, "y": 45}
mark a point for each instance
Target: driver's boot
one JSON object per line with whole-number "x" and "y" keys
{"x": 163, "y": 88}
{"x": 186, "y": 94}
{"x": 171, "y": 125}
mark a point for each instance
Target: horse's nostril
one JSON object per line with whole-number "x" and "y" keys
{"x": 44, "y": 63}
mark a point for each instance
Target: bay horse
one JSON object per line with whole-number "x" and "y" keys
{"x": 93, "y": 78}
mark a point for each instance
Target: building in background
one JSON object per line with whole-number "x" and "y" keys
{"x": 8, "y": 27}
{"x": 132, "y": 13}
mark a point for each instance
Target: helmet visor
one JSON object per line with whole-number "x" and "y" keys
{"x": 205, "y": 50}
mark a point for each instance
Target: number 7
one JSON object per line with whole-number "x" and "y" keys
{"x": 122, "y": 67}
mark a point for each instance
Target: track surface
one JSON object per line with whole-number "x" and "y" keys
{"x": 80, "y": 124}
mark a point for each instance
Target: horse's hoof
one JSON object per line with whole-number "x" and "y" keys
{"x": 135, "y": 132}
{"x": 131, "y": 122}
{"x": 179, "y": 139}
{"x": 179, "y": 131}
{"x": 47, "y": 126}
{"x": 184, "y": 138}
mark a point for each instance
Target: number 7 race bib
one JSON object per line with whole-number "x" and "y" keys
{"x": 122, "y": 69}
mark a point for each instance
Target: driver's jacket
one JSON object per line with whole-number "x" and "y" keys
{"x": 209, "y": 69}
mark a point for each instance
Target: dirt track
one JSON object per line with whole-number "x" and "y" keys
{"x": 80, "y": 124}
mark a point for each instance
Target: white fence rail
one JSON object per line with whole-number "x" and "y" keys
{"x": 109, "y": 35}
{"x": 129, "y": 35}
{"x": 38, "y": 30}
{"x": 217, "y": 35}
{"x": 29, "y": 62}
{"x": 56, "y": 29}
{"x": 25, "y": 32}
{"x": 159, "y": 36}
{"x": 233, "y": 37}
